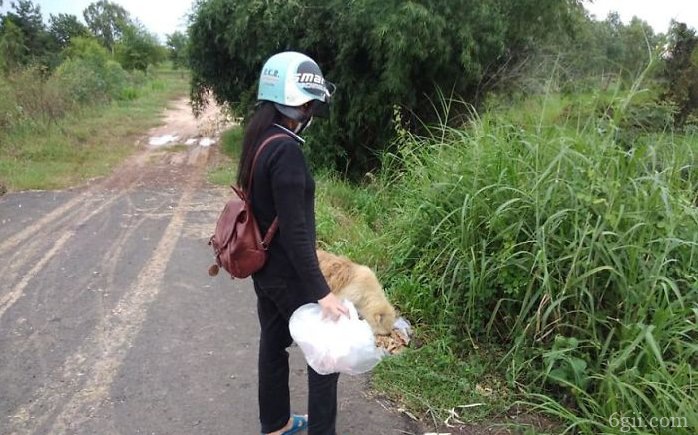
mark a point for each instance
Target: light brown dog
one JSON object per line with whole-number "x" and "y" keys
{"x": 358, "y": 284}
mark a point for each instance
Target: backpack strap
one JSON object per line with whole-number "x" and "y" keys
{"x": 275, "y": 224}
{"x": 256, "y": 155}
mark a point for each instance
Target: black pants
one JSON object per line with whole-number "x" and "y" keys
{"x": 276, "y": 300}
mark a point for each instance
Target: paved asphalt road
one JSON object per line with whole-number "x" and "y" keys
{"x": 109, "y": 323}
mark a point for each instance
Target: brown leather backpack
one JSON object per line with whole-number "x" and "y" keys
{"x": 237, "y": 242}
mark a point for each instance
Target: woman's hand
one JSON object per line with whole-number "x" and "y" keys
{"x": 332, "y": 307}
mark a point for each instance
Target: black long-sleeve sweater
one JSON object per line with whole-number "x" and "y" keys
{"x": 283, "y": 185}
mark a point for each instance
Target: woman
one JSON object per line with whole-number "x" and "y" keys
{"x": 291, "y": 91}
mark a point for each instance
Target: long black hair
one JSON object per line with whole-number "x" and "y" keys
{"x": 263, "y": 118}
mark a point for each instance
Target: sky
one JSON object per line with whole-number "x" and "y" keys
{"x": 165, "y": 16}
{"x": 658, "y": 13}
{"x": 159, "y": 16}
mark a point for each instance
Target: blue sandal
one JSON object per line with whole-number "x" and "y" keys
{"x": 299, "y": 423}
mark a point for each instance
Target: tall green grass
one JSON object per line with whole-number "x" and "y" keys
{"x": 577, "y": 252}
{"x": 557, "y": 230}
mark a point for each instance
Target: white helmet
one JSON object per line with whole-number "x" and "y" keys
{"x": 291, "y": 79}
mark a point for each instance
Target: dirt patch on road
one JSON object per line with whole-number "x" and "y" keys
{"x": 179, "y": 122}
{"x": 168, "y": 152}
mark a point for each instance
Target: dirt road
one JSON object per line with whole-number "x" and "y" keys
{"x": 109, "y": 323}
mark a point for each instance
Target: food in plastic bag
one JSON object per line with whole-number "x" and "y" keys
{"x": 398, "y": 339}
{"x": 346, "y": 345}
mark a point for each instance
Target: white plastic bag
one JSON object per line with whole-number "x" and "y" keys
{"x": 404, "y": 328}
{"x": 344, "y": 346}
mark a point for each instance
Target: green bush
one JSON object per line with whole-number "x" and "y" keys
{"x": 380, "y": 53}
{"x": 596, "y": 54}
{"x": 115, "y": 78}
{"x": 157, "y": 85}
{"x": 81, "y": 81}
{"x": 89, "y": 74}
{"x": 87, "y": 49}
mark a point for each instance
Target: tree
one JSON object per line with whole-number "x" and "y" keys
{"x": 529, "y": 21}
{"x": 591, "y": 52}
{"x": 681, "y": 70}
{"x": 138, "y": 48}
{"x": 27, "y": 17}
{"x": 625, "y": 48}
{"x": 381, "y": 53}
{"x": 177, "y": 46}
{"x": 64, "y": 27}
{"x": 13, "y": 50}
{"x": 107, "y": 21}
{"x": 639, "y": 40}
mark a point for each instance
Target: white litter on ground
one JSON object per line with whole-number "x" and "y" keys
{"x": 162, "y": 140}
{"x": 191, "y": 141}
{"x": 207, "y": 142}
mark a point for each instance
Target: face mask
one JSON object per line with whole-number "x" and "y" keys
{"x": 302, "y": 126}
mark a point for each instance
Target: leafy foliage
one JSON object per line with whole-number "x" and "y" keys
{"x": 595, "y": 54}
{"x": 681, "y": 71}
{"x": 40, "y": 46}
{"x": 138, "y": 48}
{"x": 27, "y": 17}
{"x": 89, "y": 74}
{"x": 380, "y": 53}
{"x": 88, "y": 49}
{"x": 24, "y": 38}
{"x": 107, "y": 21}
{"x": 13, "y": 50}
{"x": 64, "y": 27}
{"x": 177, "y": 47}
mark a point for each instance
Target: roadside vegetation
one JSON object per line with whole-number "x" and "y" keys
{"x": 544, "y": 262}
{"x": 74, "y": 96}
{"x": 538, "y": 225}
{"x": 223, "y": 172}
{"x": 89, "y": 140}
